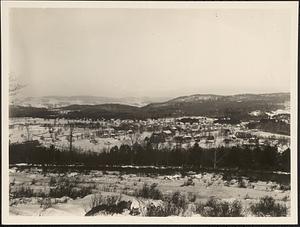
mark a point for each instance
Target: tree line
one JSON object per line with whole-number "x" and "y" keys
{"x": 241, "y": 157}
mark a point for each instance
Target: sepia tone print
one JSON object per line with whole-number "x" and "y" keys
{"x": 150, "y": 112}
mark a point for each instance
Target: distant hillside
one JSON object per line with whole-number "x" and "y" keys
{"x": 22, "y": 111}
{"x": 235, "y": 106}
{"x": 106, "y": 111}
{"x": 218, "y": 106}
{"x": 61, "y": 101}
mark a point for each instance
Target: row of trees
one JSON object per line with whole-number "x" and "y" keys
{"x": 271, "y": 125}
{"x": 255, "y": 158}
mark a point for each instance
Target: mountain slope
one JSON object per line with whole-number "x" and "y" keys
{"x": 106, "y": 111}
{"x": 218, "y": 106}
{"x": 61, "y": 101}
{"x": 234, "y": 106}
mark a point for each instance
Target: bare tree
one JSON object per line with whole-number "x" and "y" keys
{"x": 14, "y": 88}
{"x": 135, "y": 138}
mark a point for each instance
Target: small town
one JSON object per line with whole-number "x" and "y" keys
{"x": 169, "y": 132}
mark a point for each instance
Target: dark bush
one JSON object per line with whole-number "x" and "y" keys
{"x": 216, "y": 208}
{"x": 110, "y": 205}
{"x": 150, "y": 192}
{"x": 268, "y": 207}
{"x": 52, "y": 181}
{"x": 242, "y": 183}
{"x": 192, "y": 197}
{"x": 176, "y": 204}
{"x": 179, "y": 200}
{"x": 285, "y": 187}
{"x": 22, "y": 192}
{"x": 46, "y": 203}
{"x": 156, "y": 211}
{"x": 67, "y": 188}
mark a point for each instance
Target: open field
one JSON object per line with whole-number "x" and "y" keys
{"x": 70, "y": 192}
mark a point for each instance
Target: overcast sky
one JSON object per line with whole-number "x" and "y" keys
{"x": 150, "y": 52}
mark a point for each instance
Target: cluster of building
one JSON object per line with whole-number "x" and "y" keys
{"x": 165, "y": 132}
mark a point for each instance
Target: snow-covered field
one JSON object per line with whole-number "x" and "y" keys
{"x": 123, "y": 185}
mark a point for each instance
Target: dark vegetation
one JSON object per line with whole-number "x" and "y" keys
{"x": 22, "y": 111}
{"x": 149, "y": 192}
{"x": 244, "y": 158}
{"x": 25, "y": 191}
{"x": 22, "y": 192}
{"x": 109, "y": 205}
{"x": 268, "y": 207}
{"x": 217, "y": 208}
{"x": 65, "y": 187}
{"x": 175, "y": 204}
{"x": 236, "y": 107}
{"x": 106, "y": 111}
{"x": 271, "y": 125}
{"x": 59, "y": 188}
{"x": 188, "y": 120}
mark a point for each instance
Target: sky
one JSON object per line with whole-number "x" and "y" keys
{"x": 150, "y": 52}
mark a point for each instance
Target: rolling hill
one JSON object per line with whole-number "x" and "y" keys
{"x": 62, "y": 101}
{"x": 234, "y": 106}
{"x": 218, "y": 106}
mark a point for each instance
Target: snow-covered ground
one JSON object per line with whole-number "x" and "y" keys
{"x": 122, "y": 184}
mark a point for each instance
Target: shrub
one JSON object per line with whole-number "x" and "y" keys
{"x": 52, "y": 181}
{"x": 150, "y": 192}
{"x": 46, "y": 203}
{"x": 110, "y": 205}
{"x": 134, "y": 211}
{"x": 285, "y": 198}
{"x": 167, "y": 209}
{"x": 253, "y": 179}
{"x": 96, "y": 200}
{"x": 268, "y": 207}
{"x": 216, "y": 208}
{"x": 106, "y": 188}
{"x": 67, "y": 188}
{"x": 174, "y": 205}
{"x": 179, "y": 200}
{"x": 40, "y": 194}
{"x": 227, "y": 176}
{"x": 112, "y": 200}
{"x": 285, "y": 187}
{"x": 22, "y": 192}
{"x": 156, "y": 211}
{"x": 188, "y": 182}
{"x": 242, "y": 183}
{"x": 192, "y": 197}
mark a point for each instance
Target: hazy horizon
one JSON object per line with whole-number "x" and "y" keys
{"x": 259, "y": 93}
{"x": 150, "y": 52}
